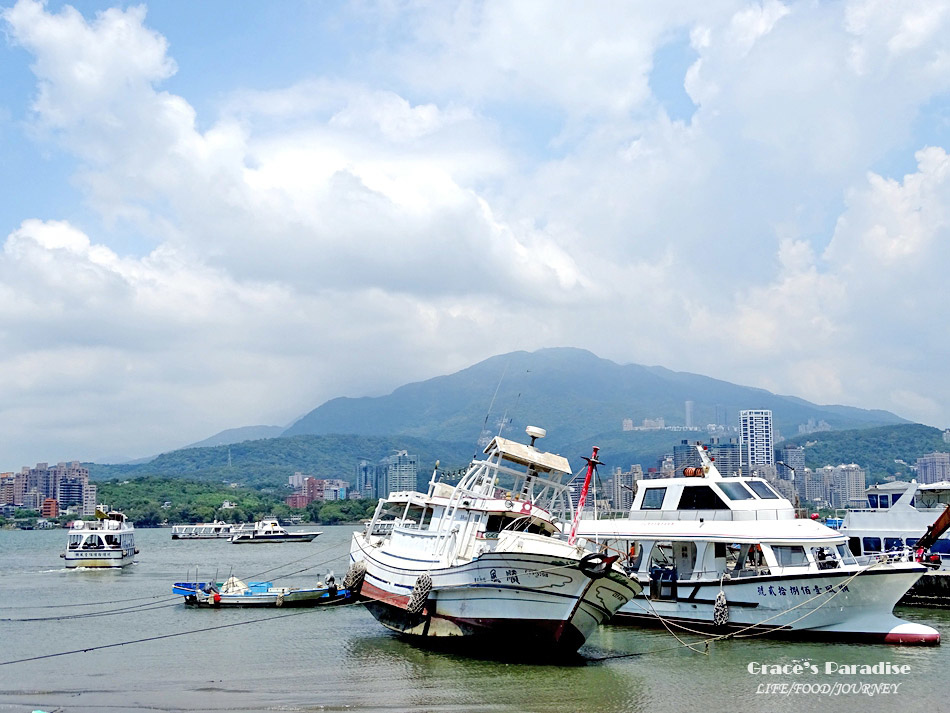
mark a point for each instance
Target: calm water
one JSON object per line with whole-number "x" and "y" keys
{"x": 341, "y": 659}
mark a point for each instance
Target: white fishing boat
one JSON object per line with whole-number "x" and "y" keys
{"x": 203, "y": 531}
{"x": 723, "y": 554}
{"x": 485, "y": 559}
{"x": 107, "y": 541}
{"x": 268, "y": 530}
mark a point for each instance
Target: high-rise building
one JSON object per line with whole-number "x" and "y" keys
{"x": 366, "y": 479}
{"x": 755, "y": 428}
{"x": 400, "y": 469}
{"x": 689, "y": 414}
{"x": 933, "y": 467}
{"x": 89, "y": 500}
{"x": 727, "y": 456}
{"x": 791, "y": 466}
{"x": 850, "y": 482}
{"x": 622, "y": 485}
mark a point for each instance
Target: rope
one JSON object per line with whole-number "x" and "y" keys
{"x": 82, "y": 604}
{"x": 110, "y": 612}
{"x": 740, "y": 633}
{"x": 184, "y": 633}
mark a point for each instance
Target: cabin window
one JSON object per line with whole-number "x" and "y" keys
{"x": 653, "y": 499}
{"x": 872, "y": 500}
{"x": 893, "y": 543}
{"x": 844, "y": 554}
{"x": 789, "y": 555}
{"x": 854, "y": 544}
{"x": 884, "y": 501}
{"x": 763, "y": 490}
{"x": 941, "y": 547}
{"x": 735, "y": 491}
{"x": 825, "y": 557}
{"x": 872, "y": 544}
{"x": 700, "y": 497}
{"x": 911, "y": 541}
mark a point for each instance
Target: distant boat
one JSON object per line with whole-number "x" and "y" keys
{"x": 108, "y": 541}
{"x": 234, "y": 592}
{"x": 203, "y": 531}
{"x": 268, "y": 530}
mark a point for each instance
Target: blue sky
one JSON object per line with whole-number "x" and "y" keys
{"x": 219, "y": 214}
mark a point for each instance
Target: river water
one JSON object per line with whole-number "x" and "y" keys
{"x": 340, "y": 659}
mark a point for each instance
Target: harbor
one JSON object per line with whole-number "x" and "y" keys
{"x": 336, "y": 658}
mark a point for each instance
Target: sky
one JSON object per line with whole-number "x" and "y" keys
{"x": 221, "y": 214}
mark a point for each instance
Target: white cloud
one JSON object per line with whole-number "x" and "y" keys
{"x": 304, "y": 225}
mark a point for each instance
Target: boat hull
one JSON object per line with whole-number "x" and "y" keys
{"x": 534, "y": 600}
{"x": 834, "y": 605}
{"x": 108, "y": 559}
{"x": 261, "y": 539}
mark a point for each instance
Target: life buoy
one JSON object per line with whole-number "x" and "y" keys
{"x": 509, "y": 504}
{"x": 526, "y": 507}
{"x": 596, "y": 564}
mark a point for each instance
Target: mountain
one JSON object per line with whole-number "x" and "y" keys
{"x": 572, "y": 393}
{"x": 238, "y": 435}
{"x": 579, "y": 398}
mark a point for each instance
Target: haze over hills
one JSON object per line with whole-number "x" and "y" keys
{"x": 579, "y": 398}
{"x": 572, "y": 393}
{"x": 239, "y": 435}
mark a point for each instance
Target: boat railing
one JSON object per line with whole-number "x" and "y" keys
{"x": 707, "y": 515}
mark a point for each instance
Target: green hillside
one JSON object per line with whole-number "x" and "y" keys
{"x": 269, "y": 462}
{"x": 883, "y": 451}
{"x": 572, "y": 393}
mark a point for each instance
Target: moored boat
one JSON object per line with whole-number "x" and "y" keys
{"x": 203, "y": 531}
{"x": 728, "y": 554}
{"x": 107, "y": 541}
{"x": 268, "y": 530}
{"x": 485, "y": 561}
{"x": 234, "y": 592}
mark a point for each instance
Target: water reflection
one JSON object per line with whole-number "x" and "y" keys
{"x": 389, "y": 668}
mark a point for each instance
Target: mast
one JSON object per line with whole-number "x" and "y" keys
{"x": 591, "y": 463}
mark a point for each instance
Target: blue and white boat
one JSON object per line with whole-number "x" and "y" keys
{"x": 234, "y": 592}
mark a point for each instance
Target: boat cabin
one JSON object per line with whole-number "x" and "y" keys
{"x": 702, "y": 527}
{"x": 895, "y": 518}
{"x": 516, "y": 488}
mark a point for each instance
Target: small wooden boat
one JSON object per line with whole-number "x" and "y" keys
{"x": 234, "y": 592}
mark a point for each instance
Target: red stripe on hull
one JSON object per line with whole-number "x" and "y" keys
{"x": 539, "y": 637}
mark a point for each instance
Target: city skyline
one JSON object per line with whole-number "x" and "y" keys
{"x": 216, "y": 215}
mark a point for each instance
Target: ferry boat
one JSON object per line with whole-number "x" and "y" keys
{"x": 268, "y": 530}
{"x": 484, "y": 561}
{"x": 107, "y": 541}
{"x": 728, "y": 554}
{"x": 203, "y": 531}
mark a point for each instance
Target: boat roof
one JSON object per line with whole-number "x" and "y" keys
{"x": 528, "y": 455}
